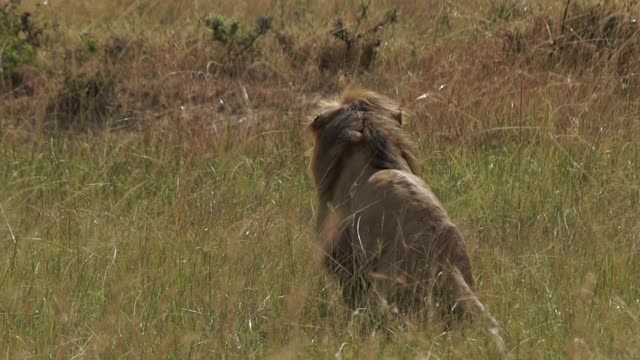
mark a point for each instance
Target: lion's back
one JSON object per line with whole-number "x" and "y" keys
{"x": 398, "y": 210}
{"x": 396, "y": 205}
{"x": 406, "y": 192}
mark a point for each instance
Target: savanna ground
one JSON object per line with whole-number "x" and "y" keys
{"x": 154, "y": 198}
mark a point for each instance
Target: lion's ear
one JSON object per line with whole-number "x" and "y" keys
{"x": 354, "y": 136}
{"x": 315, "y": 123}
{"x": 398, "y": 117}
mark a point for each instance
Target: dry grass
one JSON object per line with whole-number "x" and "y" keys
{"x": 154, "y": 198}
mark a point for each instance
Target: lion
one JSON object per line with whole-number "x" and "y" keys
{"x": 381, "y": 230}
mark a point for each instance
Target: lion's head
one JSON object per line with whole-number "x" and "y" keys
{"x": 363, "y": 123}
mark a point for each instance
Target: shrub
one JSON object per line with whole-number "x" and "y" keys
{"x": 83, "y": 101}
{"x": 347, "y": 47}
{"x": 237, "y": 40}
{"x": 19, "y": 39}
{"x": 581, "y": 38}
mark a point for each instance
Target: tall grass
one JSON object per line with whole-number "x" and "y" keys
{"x": 180, "y": 224}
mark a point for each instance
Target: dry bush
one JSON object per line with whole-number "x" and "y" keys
{"x": 119, "y": 49}
{"x": 604, "y": 34}
{"x": 84, "y": 100}
{"x": 346, "y": 47}
{"x": 84, "y": 96}
{"x": 238, "y": 46}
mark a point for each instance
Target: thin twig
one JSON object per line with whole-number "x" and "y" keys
{"x": 564, "y": 17}
{"x": 13, "y": 237}
{"x": 386, "y": 21}
{"x": 363, "y": 15}
{"x": 15, "y": 248}
{"x": 520, "y": 140}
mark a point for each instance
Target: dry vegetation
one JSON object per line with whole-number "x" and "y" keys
{"x": 154, "y": 200}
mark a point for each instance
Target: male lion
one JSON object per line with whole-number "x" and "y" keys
{"x": 381, "y": 229}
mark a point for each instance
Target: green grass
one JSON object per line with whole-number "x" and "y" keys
{"x": 114, "y": 247}
{"x": 189, "y": 231}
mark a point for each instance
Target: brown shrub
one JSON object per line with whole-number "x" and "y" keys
{"x": 601, "y": 35}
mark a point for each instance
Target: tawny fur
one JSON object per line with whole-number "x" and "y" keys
{"x": 381, "y": 229}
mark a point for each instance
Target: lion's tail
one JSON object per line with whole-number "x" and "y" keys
{"x": 465, "y": 296}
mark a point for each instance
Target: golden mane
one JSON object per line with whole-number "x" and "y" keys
{"x": 376, "y": 117}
